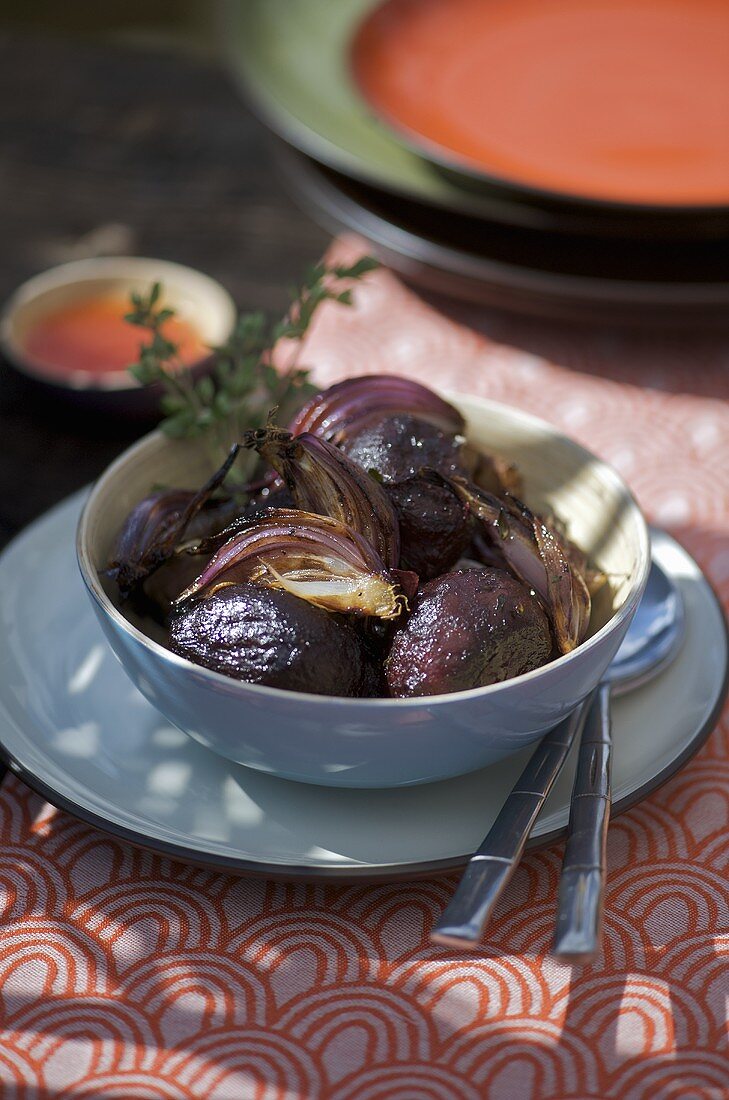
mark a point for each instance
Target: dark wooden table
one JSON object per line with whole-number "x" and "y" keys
{"x": 153, "y": 154}
{"x": 106, "y": 148}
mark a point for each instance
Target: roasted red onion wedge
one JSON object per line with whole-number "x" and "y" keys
{"x": 323, "y": 480}
{"x": 151, "y": 526}
{"x": 494, "y": 473}
{"x": 311, "y": 556}
{"x": 156, "y": 526}
{"x": 483, "y": 551}
{"x": 347, "y": 407}
{"x": 467, "y": 630}
{"x": 594, "y": 578}
{"x": 536, "y": 553}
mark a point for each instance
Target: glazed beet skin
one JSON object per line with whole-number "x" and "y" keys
{"x": 399, "y": 446}
{"x": 434, "y": 530}
{"x": 467, "y": 629}
{"x": 266, "y": 636}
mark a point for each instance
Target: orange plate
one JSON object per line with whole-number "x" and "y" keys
{"x": 619, "y": 100}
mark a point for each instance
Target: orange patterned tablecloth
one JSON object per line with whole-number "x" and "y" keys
{"x": 125, "y": 975}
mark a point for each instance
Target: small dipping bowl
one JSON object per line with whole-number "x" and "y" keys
{"x": 196, "y": 298}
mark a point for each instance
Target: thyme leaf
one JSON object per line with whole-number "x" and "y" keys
{"x": 244, "y": 382}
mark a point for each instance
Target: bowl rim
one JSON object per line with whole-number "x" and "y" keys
{"x": 88, "y": 270}
{"x": 91, "y": 580}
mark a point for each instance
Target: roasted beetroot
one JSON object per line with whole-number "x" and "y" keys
{"x": 434, "y": 528}
{"x": 266, "y": 636}
{"x": 467, "y": 629}
{"x": 397, "y": 447}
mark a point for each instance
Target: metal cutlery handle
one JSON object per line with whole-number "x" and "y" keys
{"x": 492, "y": 866}
{"x": 582, "y": 884}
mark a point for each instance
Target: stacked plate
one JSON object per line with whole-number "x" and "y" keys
{"x": 565, "y": 157}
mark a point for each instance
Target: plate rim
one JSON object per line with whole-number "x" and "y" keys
{"x": 244, "y": 866}
{"x": 325, "y": 199}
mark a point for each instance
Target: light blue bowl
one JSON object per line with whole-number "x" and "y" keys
{"x": 382, "y": 742}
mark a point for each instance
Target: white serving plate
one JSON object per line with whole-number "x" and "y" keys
{"x": 74, "y": 727}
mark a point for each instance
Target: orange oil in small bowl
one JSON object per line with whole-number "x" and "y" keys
{"x": 91, "y": 336}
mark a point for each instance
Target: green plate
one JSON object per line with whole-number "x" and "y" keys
{"x": 292, "y": 59}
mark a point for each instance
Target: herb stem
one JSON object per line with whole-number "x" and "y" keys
{"x": 244, "y": 383}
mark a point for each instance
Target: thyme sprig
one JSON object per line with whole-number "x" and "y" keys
{"x": 244, "y": 382}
